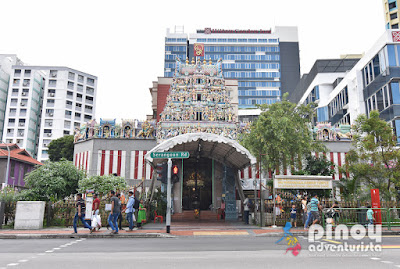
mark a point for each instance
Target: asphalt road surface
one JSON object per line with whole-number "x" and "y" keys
{"x": 190, "y": 252}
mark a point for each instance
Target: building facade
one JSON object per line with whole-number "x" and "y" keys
{"x": 391, "y": 13}
{"x": 265, "y": 63}
{"x": 372, "y": 84}
{"x": 19, "y": 165}
{"x": 45, "y": 103}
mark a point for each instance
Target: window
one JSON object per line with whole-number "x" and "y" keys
{"x": 393, "y": 16}
{"x": 70, "y": 94}
{"x": 392, "y": 5}
{"x": 68, "y": 103}
{"x": 78, "y": 105}
{"x": 395, "y": 26}
{"x": 53, "y": 73}
{"x": 47, "y": 131}
{"x": 80, "y": 78}
{"x": 70, "y": 85}
{"x": 50, "y": 101}
{"x": 90, "y": 81}
{"x": 17, "y": 72}
{"x": 71, "y": 76}
{"x": 68, "y": 113}
{"x": 66, "y": 132}
{"x": 90, "y": 99}
{"x": 77, "y": 124}
{"x": 11, "y": 120}
{"x": 27, "y": 73}
{"x": 77, "y": 114}
{"x": 88, "y": 117}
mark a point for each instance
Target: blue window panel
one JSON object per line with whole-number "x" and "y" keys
{"x": 391, "y": 55}
{"x": 317, "y": 92}
{"x": 201, "y": 40}
{"x": 395, "y": 93}
{"x": 242, "y": 40}
{"x": 263, "y": 41}
{"x": 397, "y": 123}
{"x": 322, "y": 114}
{"x": 252, "y": 40}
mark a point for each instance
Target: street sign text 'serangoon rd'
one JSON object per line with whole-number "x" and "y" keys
{"x": 170, "y": 154}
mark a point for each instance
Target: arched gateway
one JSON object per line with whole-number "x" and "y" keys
{"x": 210, "y": 175}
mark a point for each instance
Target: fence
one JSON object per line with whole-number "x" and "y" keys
{"x": 350, "y": 213}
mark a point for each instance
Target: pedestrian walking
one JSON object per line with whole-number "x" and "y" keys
{"x": 309, "y": 215}
{"x": 115, "y": 212}
{"x": 130, "y": 210}
{"x": 304, "y": 208}
{"x": 121, "y": 197}
{"x": 141, "y": 215}
{"x": 293, "y": 213}
{"x": 370, "y": 216}
{"x": 315, "y": 207}
{"x": 246, "y": 210}
{"x": 80, "y": 213}
{"x": 96, "y": 223}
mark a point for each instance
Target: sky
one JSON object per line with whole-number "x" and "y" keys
{"x": 122, "y": 41}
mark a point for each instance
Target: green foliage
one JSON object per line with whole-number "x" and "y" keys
{"x": 317, "y": 167}
{"x": 52, "y": 181}
{"x": 62, "y": 147}
{"x": 8, "y": 194}
{"x": 373, "y": 161}
{"x": 159, "y": 204}
{"x": 102, "y": 184}
{"x": 282, "y": 134}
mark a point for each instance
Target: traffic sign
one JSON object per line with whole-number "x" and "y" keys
{"x": 170, "y": 155}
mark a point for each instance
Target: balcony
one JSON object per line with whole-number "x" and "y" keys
{"x": 88, "y": 110}
{"x": 78, "y": 108}
{"x": 10, "y": 134}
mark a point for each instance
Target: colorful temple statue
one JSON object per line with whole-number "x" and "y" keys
{"x": 108, "y": 128}
{"x": 324, "y": 131}
{"x": 198, "y": 101}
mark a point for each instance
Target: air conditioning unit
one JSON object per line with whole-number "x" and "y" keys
{"x": 53, "y": 75}
{"x": 21, "y": 133}
{"x": 49, "y": 134}
{"x": 52, "y": 94}
{"x": 25, "y": 83}
{"x": 22, "y": 104}
{"x": 51, "y": 114}
{"x": 21, "y": 124}
{"x": 44, "y": 145}
{"x": 23, "y": 93}
{"x": 50, "y": 124}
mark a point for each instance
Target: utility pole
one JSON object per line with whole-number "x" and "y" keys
{"x": 168, "y": 219}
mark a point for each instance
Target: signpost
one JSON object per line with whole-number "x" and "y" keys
{"x": 169, "y": 155}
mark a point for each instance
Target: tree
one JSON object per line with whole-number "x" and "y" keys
{"x": 317, "y": 167}
{"x": 374, "y": 157}
{"x": 102, "y": 184}
{"x": 62, "y": 147}
{"x": 52, "y": 181}
{"x": 282, "y": 133}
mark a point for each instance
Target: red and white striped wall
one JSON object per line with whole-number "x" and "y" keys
{"x": 139, "y": 168}
{"x": 338, "y": 158}
{"x": 110, "y": 162}
{"x": 82, "y": 160}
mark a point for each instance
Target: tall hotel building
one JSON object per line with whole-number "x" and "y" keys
{"x": 391, "y": 12}
{"x": 45, "y": 103}
{"x": 265, "y": 63}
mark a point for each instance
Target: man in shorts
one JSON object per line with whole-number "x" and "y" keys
{"x": 315, "y": 207}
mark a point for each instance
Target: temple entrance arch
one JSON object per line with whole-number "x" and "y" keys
{"x": 209, "y": 175}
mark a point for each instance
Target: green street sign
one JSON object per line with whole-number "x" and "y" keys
{"x": 170, "y": 155}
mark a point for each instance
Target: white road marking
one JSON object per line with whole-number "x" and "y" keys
{"x": 375, "y": 258}
{"x": 41, "y": 254}
{"x": 22, "y": 260}
{"x": 12, "y": 264}
{"x": 386, "y": 261}
{"x": 49, "y": 251}
{"x": 56, "y": 248}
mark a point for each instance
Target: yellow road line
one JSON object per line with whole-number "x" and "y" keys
{"x": 221, "y": 233}
{"x": 391, "y": 246}
{"x": 332, "y": 241}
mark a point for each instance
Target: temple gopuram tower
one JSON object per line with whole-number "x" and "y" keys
{"x": 198, "y": 101}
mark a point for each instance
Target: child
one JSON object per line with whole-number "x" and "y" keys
{"x": 370, "y": 215}
{"x": 293, "y": 212}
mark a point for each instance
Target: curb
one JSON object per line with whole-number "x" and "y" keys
{"x": 88, "y": 236}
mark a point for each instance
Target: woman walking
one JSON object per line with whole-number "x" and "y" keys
{"x": 141, "y": 214}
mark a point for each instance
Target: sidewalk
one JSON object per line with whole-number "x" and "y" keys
{"x": 158, "y": 230}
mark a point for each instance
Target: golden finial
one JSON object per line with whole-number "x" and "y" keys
{"x": 204, "y": 62}
{"x": 187, "y": 60}
{"x": 210, "y": 62}
{"x": 192, "y": 60}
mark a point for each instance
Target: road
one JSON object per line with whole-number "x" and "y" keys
{"x": 186, "y": 252}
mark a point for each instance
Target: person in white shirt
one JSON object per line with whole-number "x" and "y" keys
{"x": 246, "y": 210}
